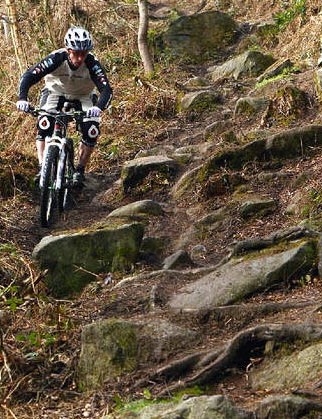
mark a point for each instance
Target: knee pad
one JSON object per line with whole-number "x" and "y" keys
{"x": 45, "y": 126}
{"x": 90, "y": 131}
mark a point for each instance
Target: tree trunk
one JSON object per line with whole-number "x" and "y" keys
{"x": 15, "y": 35}
{"x": 5, "y": 24}
{"x": 142, "y": 37}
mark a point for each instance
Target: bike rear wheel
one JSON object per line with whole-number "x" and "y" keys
{"x": 48, "y": 189}
{"x": 64, "y": 194}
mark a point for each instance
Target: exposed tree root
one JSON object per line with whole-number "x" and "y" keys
{"x": 245, "y": 313}
{"x": 206, "y": 367}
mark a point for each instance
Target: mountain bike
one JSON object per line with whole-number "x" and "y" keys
{"x": 56, "y": 179}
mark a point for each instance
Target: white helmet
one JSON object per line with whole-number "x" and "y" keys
{"x": 78, "y": 39}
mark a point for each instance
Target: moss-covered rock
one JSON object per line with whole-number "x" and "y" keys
{"x": 185, "y": 183}
{"x": 200, "y": 101}
{"x": 257, "y": 206}
{"x": 202, "y": 407}
{"x": 288, "y": 407}
{"x": 109, "y": 348}
{"x": 289, "y": 371}
{"x": 196, "y": 83}
{"x": 113, "y": 347}
{"x": 250, "y": 106}
{"x": 287, "y": 105}
{"x": 248, "y": 64}
{"x": 280, "y": 66}
{"x": 233, "y": 158}
{"x": 284, "y": 145}
{"x": 197, "y": 37}
{"x": 144, "y": 209}
{"x": 72, "y": 260}
{"x": 135, "y": 171}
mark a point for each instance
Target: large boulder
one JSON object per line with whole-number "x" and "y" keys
{"x": 72, "y": 260}
{"x": 242, "y": 277}
{"x": 113, "y": 347}
{"x": 109, "y": 348}
{"x": 295, "y": 370}
{"x": 288, "y": 407}
{"x": 198, "y": 37}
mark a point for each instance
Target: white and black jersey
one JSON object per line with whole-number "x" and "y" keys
{"x": 61, "y": 78}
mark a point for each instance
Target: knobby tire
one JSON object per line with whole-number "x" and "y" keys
{"x": 64, "y": 194}
{"x": 48, "y": 190}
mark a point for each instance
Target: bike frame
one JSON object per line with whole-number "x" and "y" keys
{"x": 58, "y": 139}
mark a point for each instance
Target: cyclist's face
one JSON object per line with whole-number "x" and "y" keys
{"x": 77, "y": 57}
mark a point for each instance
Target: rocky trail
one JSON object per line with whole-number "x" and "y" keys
{"x": 225, "y": 295}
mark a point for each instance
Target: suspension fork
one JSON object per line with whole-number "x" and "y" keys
{"x": 56, "y": 140}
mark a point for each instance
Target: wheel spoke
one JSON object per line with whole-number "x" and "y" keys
{"x": 48, "y": 191}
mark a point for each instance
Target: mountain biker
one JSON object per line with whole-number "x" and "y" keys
{"x": 70, "y": 74}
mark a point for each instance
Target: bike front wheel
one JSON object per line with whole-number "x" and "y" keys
{"x": 48, "y": 188}
{"x": 64, "y": 194}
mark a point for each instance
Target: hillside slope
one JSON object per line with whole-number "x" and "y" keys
{"x": 41, "y": 386}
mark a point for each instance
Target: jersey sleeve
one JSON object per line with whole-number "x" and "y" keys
{"x": 35, "y": 73}
{"x": 100, "y": 80}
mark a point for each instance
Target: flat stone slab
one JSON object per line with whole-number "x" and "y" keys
{"x": 242, "y": 277}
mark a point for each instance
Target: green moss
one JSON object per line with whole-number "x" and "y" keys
{"x": 8, "y": 248}
{"x": 109, "y": 349}
{"x": 75, "y": 260}
{"x": 284, "y": 75}
{"x": 283, "y": 246}
{"x": 246, "y": 108}
{"x": 136, "y": 406}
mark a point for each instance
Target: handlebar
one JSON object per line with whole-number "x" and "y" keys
{"x": 39, "y": 111}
